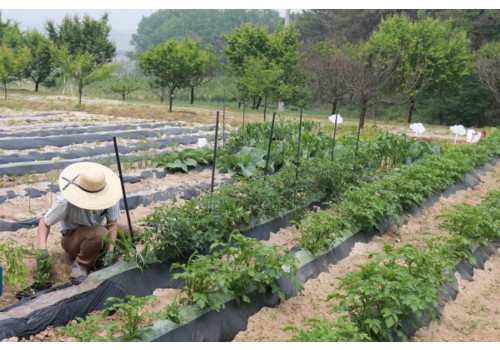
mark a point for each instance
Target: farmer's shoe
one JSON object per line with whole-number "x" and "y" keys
{"x": 78, "y": 273}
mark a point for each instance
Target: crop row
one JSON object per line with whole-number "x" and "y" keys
{"x": 208, "y": 278}
{"x": 178, "y": 232}
{"x": 399, "y": 287}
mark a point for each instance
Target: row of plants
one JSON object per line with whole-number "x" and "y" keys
{"x": 245, "y": 153}
{"x": 369, "y": 206}
{"x": 178, "y": 232}
{"x": 232, "y": 270}
{"x": 400, "y": 286}
{"x": 184, "y": 160}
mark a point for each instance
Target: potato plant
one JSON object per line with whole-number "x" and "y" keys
{"x": 236, "y": 268}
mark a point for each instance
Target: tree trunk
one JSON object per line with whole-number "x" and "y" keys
{"x": 334, "y": 104}
{"x": 37, "y": 84}
{"x": 259, "y": 100}
{"x": 192, "y": 94}
{"x": 80, "y": 93}
{"x": 440, "y": 116}
{"x": 5, "y": 88}
{"x": 244, "y": 107}
{"x": 123, "y": 96}
{"x": 480, "y": 120}
{"x": 362, "y": 115}
{"x": 171, "y": 100}
{"x": 265, "y": 107}
{"x": 239, "y": 103}
{"x": 254, "y": 103}
{"x": 411, "y": 108}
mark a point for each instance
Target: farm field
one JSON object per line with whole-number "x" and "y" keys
{"x": 55, "y": 139}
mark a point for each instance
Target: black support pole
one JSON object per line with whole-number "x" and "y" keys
{"x": 215, "y": 151}
{"x": 298, "y": 147}
{"x": 269, "y": 146}
{"x": 357, "y": 141}
{"x": 334, "y": 134}
{"x": 123, "y": 188}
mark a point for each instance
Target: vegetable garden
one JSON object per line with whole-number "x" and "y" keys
{"x": 209, "y": 248}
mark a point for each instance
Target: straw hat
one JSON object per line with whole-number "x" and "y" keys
{"x": 90, "y": 186}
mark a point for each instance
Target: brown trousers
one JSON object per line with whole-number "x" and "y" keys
{"x": 85, "y": 243}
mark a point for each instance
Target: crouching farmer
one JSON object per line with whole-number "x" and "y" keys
{"x": 88, "y": 210}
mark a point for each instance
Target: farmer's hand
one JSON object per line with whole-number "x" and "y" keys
{"x": 41, "y": 255}
{"x": 108, "y": 258}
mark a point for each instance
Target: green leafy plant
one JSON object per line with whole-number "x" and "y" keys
{"x": 316, "y": 330}
{"x": 125, "y": 246}
{"x": 385, "y": 291}
{"x": 319, "y": 229}
{"x": 247, "y": 162}
{"x": 43, "y": 271}
{"x": 130, "y": 323}
{"x": 12, "y": 258}
{"x": 185, "y": 159}
{"x": 235, "y": 268}
{"x": 127, "y": 325}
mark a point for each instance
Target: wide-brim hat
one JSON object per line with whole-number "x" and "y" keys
{"x": 89, "y": 185}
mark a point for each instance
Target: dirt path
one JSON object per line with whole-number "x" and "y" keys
{"x": 268, "y": 324}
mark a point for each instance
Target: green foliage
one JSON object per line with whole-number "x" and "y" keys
{"x": 82, "y": 36}
{"x": 130, "y": 315}
{"x": 40, "y": 63}
{"x": 247, "y": 162}
{"x": 271, "y": 58}
{"x": 127, "y": 325}
{"x": 172, "y": 65}
{"x": 125, "y": 246}
{"x": 205, "y": 220}
{"x": 341, "y": 330}
{"x": 319, "y": 230}
{"x": 86, "y": 329}
{"x": 124, "y": 84}
{"x": 470, "y": 226}
{"x": 370, "y": 205}
{"x": 185, "y": 159}
{"x": 206, "y": 24}
{"x": 81, "y": 67}
{"x": 385, "y": 291}
{"x": 12, "y": 258}
{"x": 43, "y": 271}
{"x": 235, "y": 268}
{"x": 12, "y": 63}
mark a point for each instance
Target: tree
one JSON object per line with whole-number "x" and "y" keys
{"x": 320, "y": 65}
{"x": 353, "y": 24}
{"x": 488, "y": 68}
{"x": 206, "y": 26}
{"x": 366, "y": 76}
{"x": 211, "y": 66}
{"x": 83, "y": 35}
{"x": 275, "y": 54}
{"x": 124, "y": 84}
{"x": 10, "y": 34}
{"x": 431, "y": 54}
{"x": 82, "y": 68}
{"x": 481, "y": 26}
{"x": 12, "y": 63}
{"x": 40, "y": 64}
{"x": 172, "y": 65}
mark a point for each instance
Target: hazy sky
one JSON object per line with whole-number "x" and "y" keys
{"x": 123, "y": 20}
